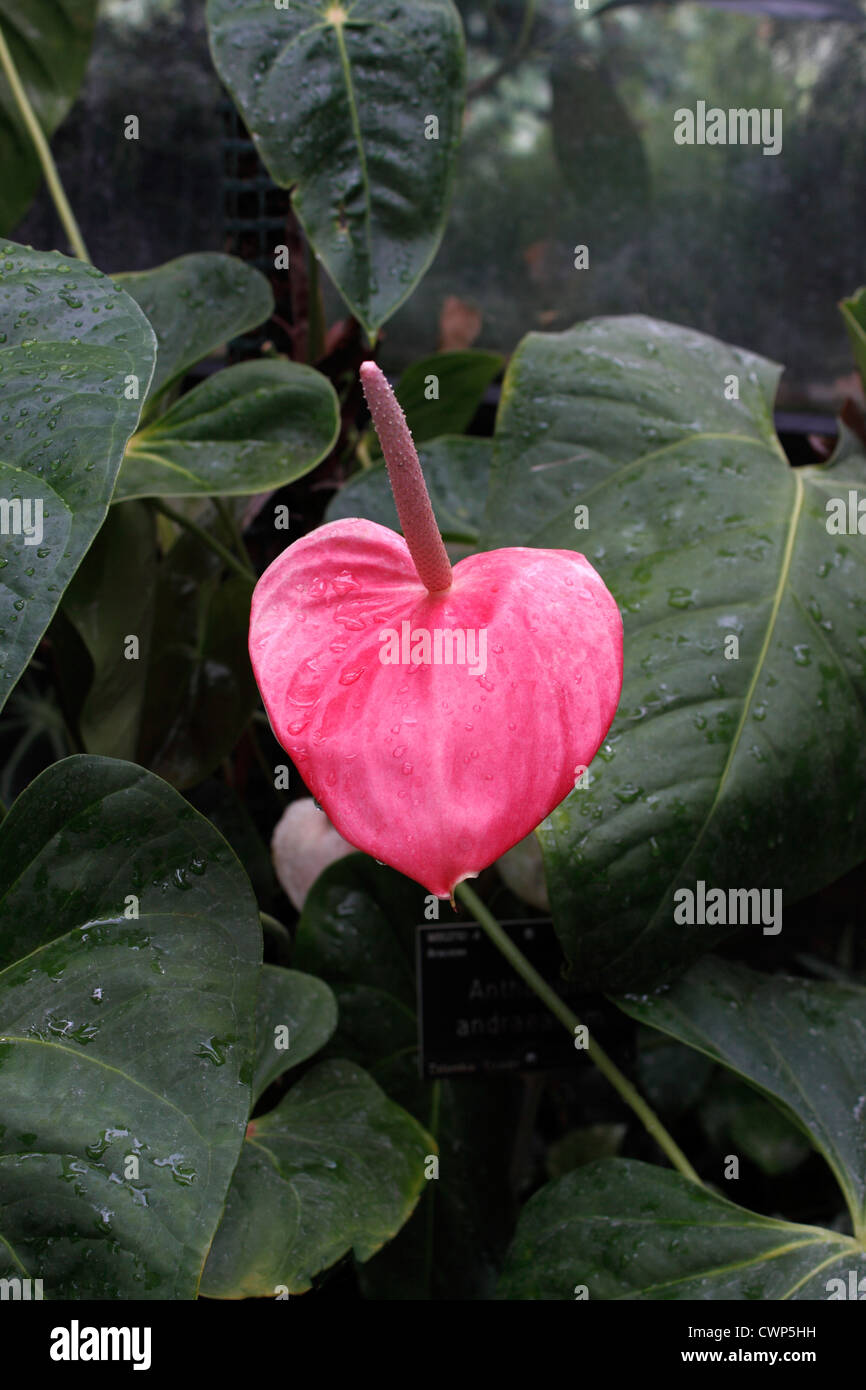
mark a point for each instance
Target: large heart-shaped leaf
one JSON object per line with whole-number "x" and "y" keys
{"x": 250, "y": 428}
{"x": 130, "y": 951}
{"x": 455, "y": 471}
{"x": 626, "y": 1230}
{"x": 49, "y": 42}
{"x": 799, "y": 1041}
{"x": 76, "y": 356}
{"x": 745, "y": 665}
{"x": 195, "y": 304}
{"x": 338, "y": 99}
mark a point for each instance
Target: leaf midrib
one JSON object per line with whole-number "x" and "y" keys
{"x": 784, "y": 575}
{"x": 702, "y": 1041}
{"x": 359, "y": 140}
{"x": 81, "y": 1055}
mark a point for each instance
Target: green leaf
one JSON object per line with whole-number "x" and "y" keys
{"x": 461, "y": 377}
{"x": 199, "y": 691}
{"x": 736, "y": 1119}
{"x": 628, "y": 1230}
{"x": 196, "y": 304}
{"x": 248, "y": 428}
{"x": 129, "y": 951}
{"x": 295, "y": 1016}
{"x": 800, "y": 1042}
{"x": 70, "y": 341}
{"x": 335, "y": 1167}
{"x": 110, "y": 599}
{"x": 455, "y": 470}
{"x": 854, "y": 314}
{"x": 357, "y": 931}
{"x": 49, "y": 41}
{"x": 703, "y": 532}
{"x": 336, "y": 98}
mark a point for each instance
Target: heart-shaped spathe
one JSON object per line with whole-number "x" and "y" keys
{"x": 436, "y": 769}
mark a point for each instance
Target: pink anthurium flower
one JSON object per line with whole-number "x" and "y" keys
{"x": 436, "y": 714}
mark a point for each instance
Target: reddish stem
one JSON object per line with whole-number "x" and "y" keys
{"x": 407, "y": 482}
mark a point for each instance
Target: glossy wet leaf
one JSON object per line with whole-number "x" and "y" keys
{"x": 126, "y": 1041}
{"x": 628, "y": 1230}
{"x": 249, "y": 428}
{"x": 704, "y": 533}
{"x": 854, "y": 314}
{"x": 72, "y": 347}
{"x": 460, "y": 378}
{"x": 357, "y": 931}
{"x": 801, "y": 1042}
{"x": 336, "y": 98}
{"x": 295, "y": 1016}
{"x": 49, "y": 41}
{"x": 199, "y": 689}
{"x": 335, "y": 1167}
{"x": 109, "y": 601}
{"x": 196, "y": 304}
{"x": 455, "y": 470}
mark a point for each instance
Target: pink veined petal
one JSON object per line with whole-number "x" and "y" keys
{"x": 435, "y": 769}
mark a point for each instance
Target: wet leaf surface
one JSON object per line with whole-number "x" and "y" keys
{"x": 704, "y": 534}
{"x": 126, "y": 1042}
{"x": 73, "y": 347}
{"x": 622, "y": 1230}
{"x": 336, "y": 98}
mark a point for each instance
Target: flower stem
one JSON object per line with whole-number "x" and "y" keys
{"x": 560, "y": 1009}
{"x": 43, "y": 152}
{"x": 407, "y": 482}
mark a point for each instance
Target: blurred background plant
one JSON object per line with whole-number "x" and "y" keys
{"x": 568, "y": 139}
